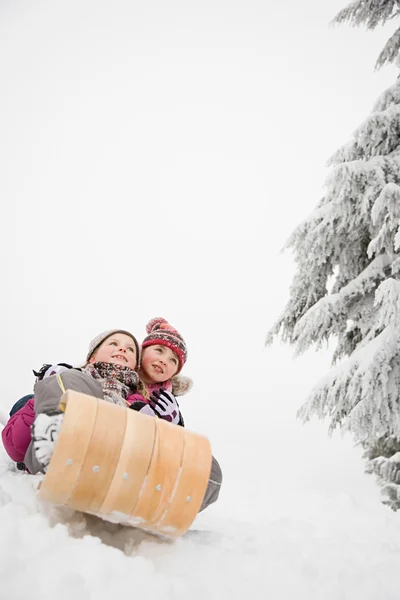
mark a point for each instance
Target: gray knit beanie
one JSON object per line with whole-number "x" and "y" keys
{"x": 99, "y": 339}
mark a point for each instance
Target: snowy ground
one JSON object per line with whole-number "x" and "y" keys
{"x": 297, "y": 518}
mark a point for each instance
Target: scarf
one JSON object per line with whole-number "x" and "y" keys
{"x": 117, "y": 381}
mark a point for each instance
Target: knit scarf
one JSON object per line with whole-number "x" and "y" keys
{"x": 117, "y": 381}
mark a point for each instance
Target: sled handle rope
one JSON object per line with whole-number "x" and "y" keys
{"x": 127, "y": 467}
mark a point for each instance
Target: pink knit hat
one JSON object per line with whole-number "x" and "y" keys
{"x": 161, "y": 333}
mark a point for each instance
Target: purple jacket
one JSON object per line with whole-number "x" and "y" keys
{"x": 16, "y": 434}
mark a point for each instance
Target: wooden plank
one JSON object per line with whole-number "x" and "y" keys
{"x": 71, "y": 447}
{"x": 191, "y": 487}
{"x": 101, "y": 458}
{"x": 133, "y": 464}
{"x": 163, "y": 472}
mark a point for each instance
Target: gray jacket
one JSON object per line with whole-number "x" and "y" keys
{"x": 48, "y": 393}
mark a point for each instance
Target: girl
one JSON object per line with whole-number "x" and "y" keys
{"x": 110, "y": 373}
{"x": 164, "y": 353}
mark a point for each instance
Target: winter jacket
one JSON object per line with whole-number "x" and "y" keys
{"x": 16, "y": 435}
{"x": 20, "y": 403}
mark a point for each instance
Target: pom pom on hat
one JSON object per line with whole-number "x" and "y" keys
{"x": 161, "y": 333}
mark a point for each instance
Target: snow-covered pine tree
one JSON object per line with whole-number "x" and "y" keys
{"x": 372, "y": 13}
{"x": 347, "y": 288}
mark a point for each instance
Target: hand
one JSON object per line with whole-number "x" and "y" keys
{"x": 143, "y": 408}
{"x": 45, "y": 432}
{"x": 165, "y": 406}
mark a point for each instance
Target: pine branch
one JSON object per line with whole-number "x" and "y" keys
{"x": 367, "y": 12}
{"x": 391, "y": 50}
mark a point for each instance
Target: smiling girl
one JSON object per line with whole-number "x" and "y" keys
{"x": 110, "y": 373}
{"x": 164, "y": 353}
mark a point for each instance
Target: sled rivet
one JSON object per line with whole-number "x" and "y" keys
{"x": 125, "y": 476}
{"x": 69, "y": 461}
{"x": 96, "y": 468}
{"x": 158, "y": 487}
{"x": 188, "y": 498}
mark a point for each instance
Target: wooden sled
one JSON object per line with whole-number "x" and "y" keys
{"x": 127, "y": 467}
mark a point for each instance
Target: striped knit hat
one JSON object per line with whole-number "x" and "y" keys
{"x": 161, "y": 333}
{"x": 99, "y": 339}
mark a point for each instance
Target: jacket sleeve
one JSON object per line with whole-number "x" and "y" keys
{"x": 48, "y": 391}
{"x": 16, "y": 435}
{"x": 48, "y": 394}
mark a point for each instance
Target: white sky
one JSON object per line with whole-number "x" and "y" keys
{"x": 155, "y": 157}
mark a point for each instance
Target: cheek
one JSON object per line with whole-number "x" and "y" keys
{"x": 145, "y": 361}
{"x": 173, "y": 370}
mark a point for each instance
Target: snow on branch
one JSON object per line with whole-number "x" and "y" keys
{"x": 378, "y": 134}
{"x": 368, "y": 12}
{"x": 387, "y": 203}
{"x": 362, "y": 393}
{"x": 320, "y": 321}
{"x": 389, "y": 97}
{"x": 390, "y": 51}
{"x": 372, "y": 13}
{"x": 385, "y": 216}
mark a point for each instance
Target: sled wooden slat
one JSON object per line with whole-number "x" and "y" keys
{"x": 133, "y": 464}
{"x": 127, "y": 467}
{"x": 101, "y": 458}
{"x": 191, "y": 487}
{"x": 163, "y": 472}
{"x": 169, "y": 465}
{"x": 70, "y": 450}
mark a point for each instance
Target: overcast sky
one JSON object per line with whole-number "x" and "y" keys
{"x": 155, "y": 157}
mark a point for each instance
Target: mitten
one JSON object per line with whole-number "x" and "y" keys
{"x": 165, "y": 406}
{"x": 143, "y": 408}
{"x": 45, "y": 431}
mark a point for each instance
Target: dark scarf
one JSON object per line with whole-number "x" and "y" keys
{"x": 117, "y": 381}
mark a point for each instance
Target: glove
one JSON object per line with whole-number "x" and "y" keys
{"x": 143, "y": 408}
{"x": 165, "y": 406}
{"x": 45, "y": 431}
{"x": 47, "y": 370}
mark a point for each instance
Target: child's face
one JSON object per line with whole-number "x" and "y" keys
{"x": 118, "y": 349}
{"x": 158, "y": 364}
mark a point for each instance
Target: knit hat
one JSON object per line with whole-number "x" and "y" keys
{"x": 161, "y": 333}
{"x": 99, "y": 339}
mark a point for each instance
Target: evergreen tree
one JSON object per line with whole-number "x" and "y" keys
{"x": 346, "y": 288}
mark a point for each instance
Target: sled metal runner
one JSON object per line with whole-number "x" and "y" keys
{"x": 127, "y": 467}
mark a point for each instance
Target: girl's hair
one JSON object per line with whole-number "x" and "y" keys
{"x": 143, "y": 389}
